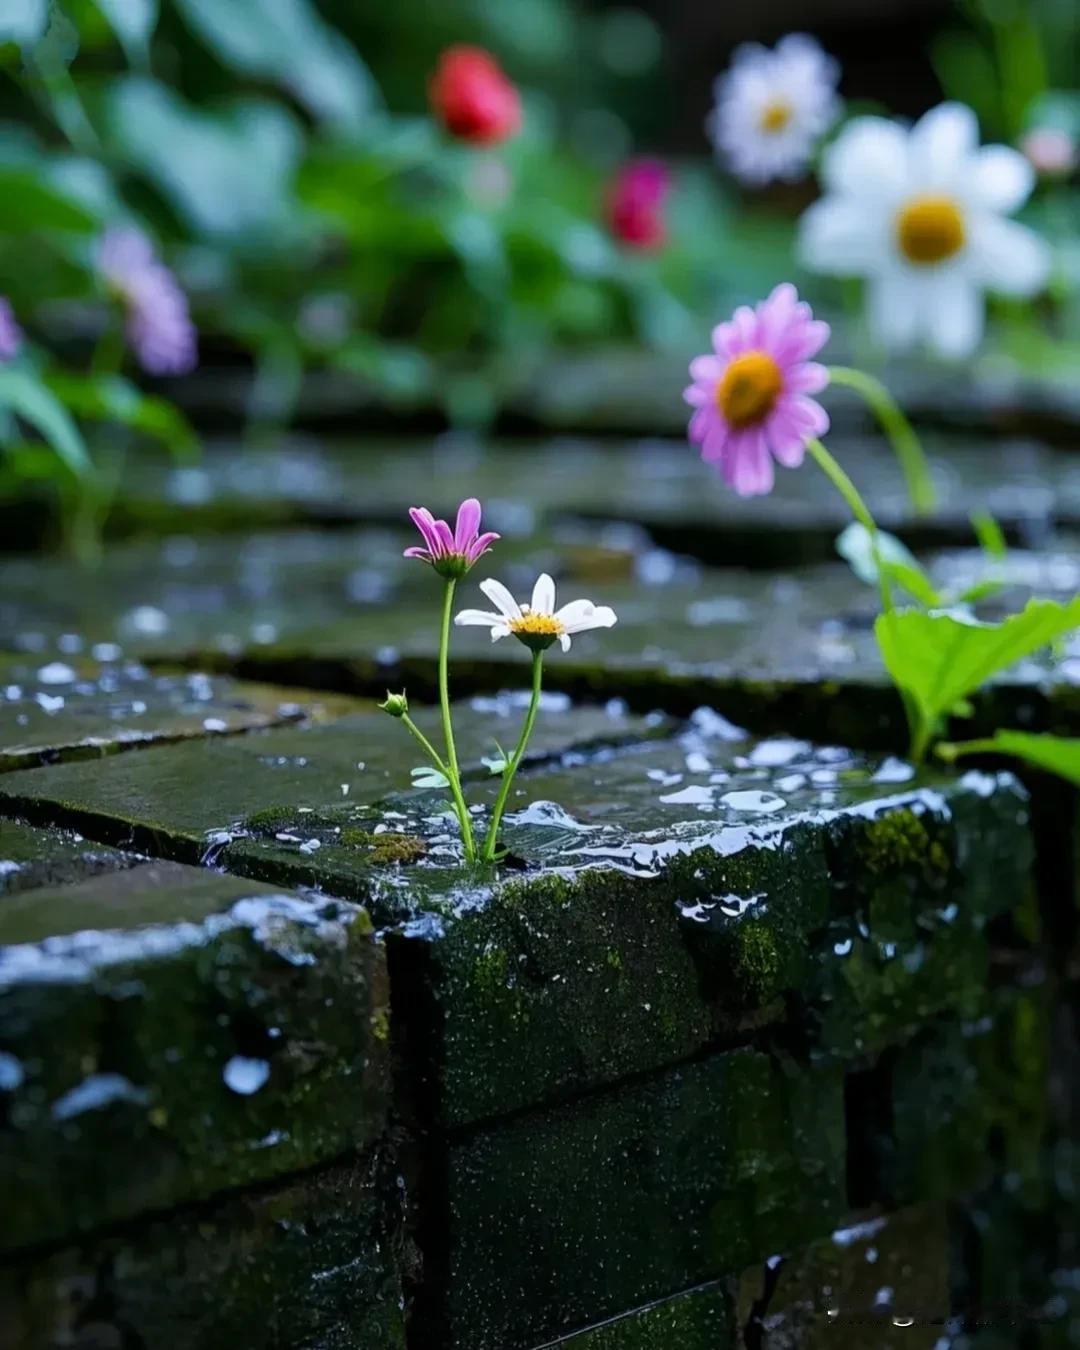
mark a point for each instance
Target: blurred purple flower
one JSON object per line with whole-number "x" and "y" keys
{"x": 159, "y": 327}
{"x": 11, "y": 335}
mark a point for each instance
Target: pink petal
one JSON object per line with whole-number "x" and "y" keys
{"x": 445, "y": 540}
{"x": 745, "y": 323}
{"x": 723, "y": 338}
{"x": 422, "y": 553}
{"x": 700, "y": 423}
{"x": 776, "y": 313}
{"x": 808, "y": 377}
{"x": 481, "y": 545}
{"x": 803, "y": 340}
{"x": 424, "y": 521}
{"x": 706, "y": 369}
{"x": 716, "y": 445}
{"x": 750, "y": 471}
{"x": 810, "y": 417}
{"x": 468, "y": 523}
{"x": 695, "y": 395}
{"x": 786, "y": 440}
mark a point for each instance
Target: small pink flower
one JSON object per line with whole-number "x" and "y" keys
{"x": 1050, "y": 151}
{"x": 635, "y": 204}
{"x": 451, "y": 554}
{"x": 750, "y": 400}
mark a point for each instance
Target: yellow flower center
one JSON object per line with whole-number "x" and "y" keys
{"x": 930, "y": 228}
{"x": 747, "y": 391}
{"x": 775, "y": 116}
{"x": 537, "y": 625}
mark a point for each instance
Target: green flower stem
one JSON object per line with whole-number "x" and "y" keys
{"x": 859, "y": 510}
{"x": 898, "y": 429}
{"x": 512, "y": 768}
{"x": 425, "y": 745}
{"x": 451, "y": 767}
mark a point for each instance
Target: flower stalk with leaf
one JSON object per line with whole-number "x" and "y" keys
{"x": 753, "y": 406}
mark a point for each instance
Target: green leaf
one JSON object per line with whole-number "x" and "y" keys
{"x": 1056, "y": 754}
{"x": 938, "y": 660}
{"x": 426, "y": 777}
{"x": 901, "y": 565}
{"x": 112, "y": 398}
{"x": 227, "y": 173}
{"x": 287, "y": 41}
{"x": 133, "y": 22}
{"x": 26, "y": 396}
{"x": 990, "y": 535}
{"x": 30, "y": 204}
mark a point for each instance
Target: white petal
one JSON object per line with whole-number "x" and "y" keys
{"x": 501, "y": 598}
{"x": 601, "y": 617}
{"x": 893, "y": 310}
{"x": 868, "y": 158}
{"x": 953, "y": 315}
{"x": 1001, "y": 179}
{"x": 478, "y": 618}
{"x": 843, "y": 237}
{"x": 571, "y": 615}
{"x": 499, "y": 632}
{"x": 564, "y": 641}
{"x": 940, "y": 142}
{"x": 543, "y": 596}
{"x": 1008, "y": 257}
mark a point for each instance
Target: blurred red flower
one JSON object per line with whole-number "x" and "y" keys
{"x": 472, "y": 97}
{"x": 635, "y": 204}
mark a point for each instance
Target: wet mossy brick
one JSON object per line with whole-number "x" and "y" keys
{"x": 198, "y": 1031}
{"x": 559, "y": 1219}
{"x": 880, "y": 1282}
{"x": 31, "y": 858}
{"x": 960, "y": 1103}
{"x": 700, "y": 1319}
{"x": 312, "y": 1261}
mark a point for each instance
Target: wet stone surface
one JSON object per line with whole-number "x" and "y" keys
{"x": 880, "y": 1282}
{"x": 660, "y": 484}
{"x": 59, "y": 711}
{"x": 701, "y": 1319}
{"x": 31, "y": 858}
{"x": 207, "y": 1030}
{"x": 309, "y": 1262}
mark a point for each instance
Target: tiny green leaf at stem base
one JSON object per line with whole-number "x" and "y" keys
{"x": 1058, "y": 755}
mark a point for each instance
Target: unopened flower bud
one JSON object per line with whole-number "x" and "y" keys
{"x": 397, "y": 705}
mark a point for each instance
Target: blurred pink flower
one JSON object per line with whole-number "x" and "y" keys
{"x": 11, "y": 335}
{"x": 159, "y": 328}
{"x": 635, "y": 204}
{"x": 451, "y": 554}
{"x": 1050, "y": 151}
{"x": 750, "y": 399}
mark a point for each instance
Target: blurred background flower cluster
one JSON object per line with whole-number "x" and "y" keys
{"x": 427, "y": 201}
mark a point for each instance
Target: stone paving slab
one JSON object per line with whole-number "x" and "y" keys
{"x": 32, "y": 858}
{"x": 57, "y": 712}
{"x": 660, "y": 484}
{"x": 660, "y": 893}
{"x": 207, "y": 1030}
{"x": 311, "y": 1261}
{"x": 226, "y": 594}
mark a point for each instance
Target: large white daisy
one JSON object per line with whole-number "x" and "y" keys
{"x": 921, "y": 213}
{"x": 772, "y": 107}
{"x": 537, "y": 624}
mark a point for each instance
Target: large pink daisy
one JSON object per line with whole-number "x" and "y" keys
{"x": 751, "y": 400}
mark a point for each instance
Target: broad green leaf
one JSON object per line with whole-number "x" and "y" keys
{"x": 111, "y": 398}
{"x": 288, "y": 41}
{"x": 23, "y": 21}
{"x": 424, "y": 776}
{"x": 133, "y": 22}
{"x": 26, "y": 396}
{"x": 1056, "y": 754}
{"x": 938, "y": 660}
{"x": 28, "y": 204}
{"x": 227, "y": 173}
{"x": 900, "y": 564}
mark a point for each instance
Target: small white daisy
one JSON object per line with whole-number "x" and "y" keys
{"x": 539, "y": 623}
{"x": 772, "y": 107}
{"x": 921, "y": 213}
